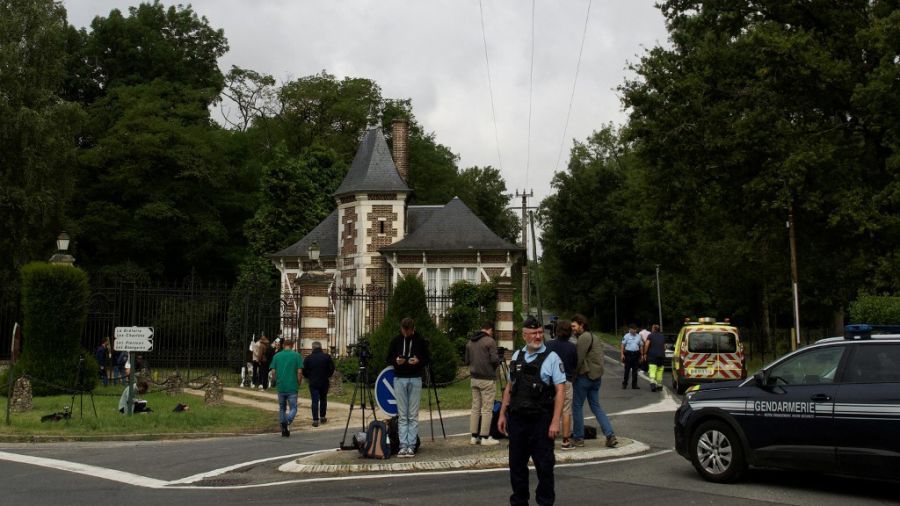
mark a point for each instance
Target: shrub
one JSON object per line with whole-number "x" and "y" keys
{"x": 408, "y": 300}
{"x": 349, "y": 367}
{"x": 876, "y": 310}
{"x": 54, "y": 305}
{"x": 472, "y": 305}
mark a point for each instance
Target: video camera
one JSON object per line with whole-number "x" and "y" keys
{"x": 361, "y": 350}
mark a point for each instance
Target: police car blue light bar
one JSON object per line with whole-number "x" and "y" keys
{"x": 865, "y": 330}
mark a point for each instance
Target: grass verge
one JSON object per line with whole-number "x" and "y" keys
{"x": 225, "y": 419}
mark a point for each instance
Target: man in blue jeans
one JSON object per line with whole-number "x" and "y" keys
{"x": 587, "y": 383}
{"x": 409, "y": 354}
{"x": 287, "y": 368}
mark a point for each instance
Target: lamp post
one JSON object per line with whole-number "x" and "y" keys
{"x": 62, "y": 247}
{"x": 313, "y": 252}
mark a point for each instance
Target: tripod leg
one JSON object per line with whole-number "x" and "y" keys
{"x": 438, "y": 402}
{"x": 350, "y": 415}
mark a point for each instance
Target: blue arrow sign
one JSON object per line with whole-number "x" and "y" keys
{"x": 384, "y": 391}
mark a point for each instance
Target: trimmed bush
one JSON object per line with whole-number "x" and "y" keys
{"x": 876, "y": 310}
{"x": 408, "y": 300}
{"x": 54, "y": 305}
{"x": 472, "y": 305}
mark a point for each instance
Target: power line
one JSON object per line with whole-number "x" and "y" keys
{"x": 490, "y": 85}
{"x": 530, "y": 97}
{"x": 587, "y": 16}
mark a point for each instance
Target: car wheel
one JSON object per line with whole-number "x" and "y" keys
{"x": 717, "y": 453}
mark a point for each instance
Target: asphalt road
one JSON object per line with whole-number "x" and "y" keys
{"x": 659, "y": 476}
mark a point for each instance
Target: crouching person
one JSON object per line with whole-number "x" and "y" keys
{"x": 533, "y": 398}
{"x": 140, "y": 405}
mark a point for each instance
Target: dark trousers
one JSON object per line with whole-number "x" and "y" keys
{"x": 528, "y": 438}
{"x": 255, "y": 381}
{"x": 319, "y": 398}
{"x": 632, "y": 364}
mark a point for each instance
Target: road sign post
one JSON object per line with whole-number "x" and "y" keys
{"x": 384, "y": 391}
{"x": 132, "y": 339}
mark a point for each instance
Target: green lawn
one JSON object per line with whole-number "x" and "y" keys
{"x": 199, "y": 419}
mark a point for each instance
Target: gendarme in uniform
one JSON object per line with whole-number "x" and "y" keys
{"x": 533, "y": 400}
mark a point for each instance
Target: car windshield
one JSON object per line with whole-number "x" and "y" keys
{"x": 712, "y": 342}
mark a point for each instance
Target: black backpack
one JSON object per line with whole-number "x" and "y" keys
{"x": 378, "y": 444}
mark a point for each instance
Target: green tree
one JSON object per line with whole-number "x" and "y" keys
{"x": 158, "y": 185}
{"x": 472, "y": 306}
{"x": 484, "y": 191}
{"x": 756, "y": 111}
{"x": 408, "y": 301}
{"x": 38, "y": 131}
{"x": 296, "y": 195}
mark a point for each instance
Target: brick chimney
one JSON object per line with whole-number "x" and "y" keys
{"x": 400, "y": 136}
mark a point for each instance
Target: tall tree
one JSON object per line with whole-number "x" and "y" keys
{"x": 37, "y": 131}
{"x": 753, "y": 115}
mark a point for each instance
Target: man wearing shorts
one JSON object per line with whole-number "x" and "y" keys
{"x": 568, "y": 353}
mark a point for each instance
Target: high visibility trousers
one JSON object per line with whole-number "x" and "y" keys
{"x": 656, "y": 371}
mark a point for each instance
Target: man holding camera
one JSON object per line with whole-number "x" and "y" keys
{"x": 533, "y": 398}
{"x": 408, "y": 353}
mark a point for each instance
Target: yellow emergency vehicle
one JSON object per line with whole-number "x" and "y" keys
{"x": 707, "y": 351}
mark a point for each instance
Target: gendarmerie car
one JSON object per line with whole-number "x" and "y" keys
{"x": 832, "y": 407}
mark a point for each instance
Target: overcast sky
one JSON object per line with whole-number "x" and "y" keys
{"x": 433, "y": 52}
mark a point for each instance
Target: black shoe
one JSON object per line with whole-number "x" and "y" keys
{"x": 315, "y": 423}
{"x": 635, "y": 387}
{"x": 624, "y": 386}
{"x": 284, "y": 431}
{"x": 323, "y": 420}
{"x": 653, "y": 387}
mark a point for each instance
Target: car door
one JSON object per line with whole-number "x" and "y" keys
{"x": 791, "y": 420}
{"x": 867, "y": 411}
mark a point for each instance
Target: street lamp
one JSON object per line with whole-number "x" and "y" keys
{"x": 62, "y": 247}
{"x": 313, "y": 252}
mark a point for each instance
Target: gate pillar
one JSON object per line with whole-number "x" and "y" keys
{"x": 313, "y": 290}
{"x": 504, "y": 327}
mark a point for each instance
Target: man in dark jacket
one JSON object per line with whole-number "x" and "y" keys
{"x": 568, "y": 353}
{"x": 409, "y": 355}
{"x": 318, "y": 368}
{"x": 482, "y": 359}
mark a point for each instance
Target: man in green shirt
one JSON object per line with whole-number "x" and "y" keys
{"x": 287, "y": 373}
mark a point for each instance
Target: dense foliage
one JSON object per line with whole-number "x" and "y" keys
{"x": 55, "y": 304}
{"x": 472, "y": 306}
{"x": 754, "y": 112}
{"x": 876, "y": 310}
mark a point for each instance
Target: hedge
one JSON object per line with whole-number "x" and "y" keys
{"x": 54, "y": 306}
{"x": 877, "y": 310}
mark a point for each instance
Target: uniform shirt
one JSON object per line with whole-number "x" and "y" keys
{"x": 632, "y": 342}
{"x": 552, "y": 370}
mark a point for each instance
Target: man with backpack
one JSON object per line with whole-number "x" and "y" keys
{"x": 587, "y": 383}
{"x": 409, "y": 354}
{"x": 482, "y": 359}
{"x": 533, "y": 398}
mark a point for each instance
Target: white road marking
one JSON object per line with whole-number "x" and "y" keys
{"x": 184, "y": 483}
{"x": 95, "y": 471}
{"x": 405, "y": 475}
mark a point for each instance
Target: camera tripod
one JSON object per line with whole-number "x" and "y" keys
{"x": 78, "y": 390}
{"x": 364, "y": 390}
{"x": 432, "y": 389}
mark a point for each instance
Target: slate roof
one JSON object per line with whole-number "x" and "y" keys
{"x": 373, "y": 168}
{"x": 326, "y": 234}
{"x": 453, "y": 227}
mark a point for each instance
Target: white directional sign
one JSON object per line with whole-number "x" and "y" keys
{"x": 133, "y": 339}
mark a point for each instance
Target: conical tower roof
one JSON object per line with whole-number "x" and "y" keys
{"x": 373, "y": 169}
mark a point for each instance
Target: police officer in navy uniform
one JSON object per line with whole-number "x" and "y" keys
{"x": 533, "y": 398}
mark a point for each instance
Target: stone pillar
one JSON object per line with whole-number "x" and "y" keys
{"x": 21, "y": 396}
{"x": 215, "y": 395}
{"x": 174, "y": 384}
{"x": 313, "y": 290}
{"x": 504, "y": 326}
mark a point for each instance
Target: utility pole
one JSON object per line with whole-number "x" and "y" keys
{"x": 659, "y": 299}
{"x": 525, "y": 286}
{"x": 537, "y": 273}
{"x": 795, "y": 342}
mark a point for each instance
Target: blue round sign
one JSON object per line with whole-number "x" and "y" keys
{"x": 384, "y": 391}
